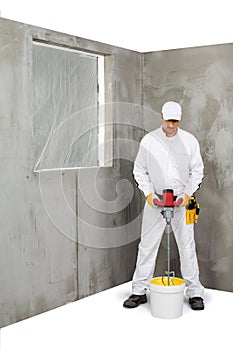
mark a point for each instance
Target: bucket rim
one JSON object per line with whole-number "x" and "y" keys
{"x": 178, "y": 281}
{"x": 161, "y": 288}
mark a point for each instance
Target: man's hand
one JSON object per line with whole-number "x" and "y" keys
{"x": 150, "y": 199}
{"x": 185, "y": 198}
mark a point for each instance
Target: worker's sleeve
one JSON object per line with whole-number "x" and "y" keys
{"x": 195, "y": 171}
{"x": 140, "y": 171}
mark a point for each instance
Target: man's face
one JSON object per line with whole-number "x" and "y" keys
{"x": 170, "y": 127}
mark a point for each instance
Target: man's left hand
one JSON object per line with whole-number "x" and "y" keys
{"x": 185, "y": 198}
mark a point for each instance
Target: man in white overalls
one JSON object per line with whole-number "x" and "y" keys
{"x": 168, "y": 158}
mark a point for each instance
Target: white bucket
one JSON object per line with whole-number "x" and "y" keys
{"x": 167, "y": 300}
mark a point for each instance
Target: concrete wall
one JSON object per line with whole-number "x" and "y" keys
{"x": 109, "y": 204}
{"x": 201, "y": 79}
{"x": 46, "y": 256}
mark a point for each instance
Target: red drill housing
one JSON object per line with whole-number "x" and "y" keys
{"x": 168, "y": 199}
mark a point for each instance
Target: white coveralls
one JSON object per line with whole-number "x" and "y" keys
{"x": 167, "y": 163}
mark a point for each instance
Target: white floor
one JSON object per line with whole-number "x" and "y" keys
{"x": 100, "y": 322}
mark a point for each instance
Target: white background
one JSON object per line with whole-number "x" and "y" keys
{"x": 99, "y": 322}
{"x": 147, "y": 25}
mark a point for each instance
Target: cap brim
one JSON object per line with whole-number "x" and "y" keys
{"x": 172, "y": 117}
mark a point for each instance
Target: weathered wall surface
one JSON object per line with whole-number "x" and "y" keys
{"x": 109, "y": 206}
{"x": 46, "y": 256}
{"x": 37, "y": 262}
{"x": 201, "y": 79}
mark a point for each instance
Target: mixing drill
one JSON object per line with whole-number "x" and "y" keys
{"x": 167, "y": 204}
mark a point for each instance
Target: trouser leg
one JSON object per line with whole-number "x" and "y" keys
{"x": 152, "y": 230}
{"x": 184, "y": 235}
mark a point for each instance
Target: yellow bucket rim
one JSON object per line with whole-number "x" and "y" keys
{"x": 176, "y": 281}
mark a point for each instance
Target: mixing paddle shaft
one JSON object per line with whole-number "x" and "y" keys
{"x": 167, "y": 211}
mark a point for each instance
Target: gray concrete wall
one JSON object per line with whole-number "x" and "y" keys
{"x": 109, "y": 204}
{"x": 37, "y": 268}
{"x": 47, "y": 257}
{"x": 201, "y": 79}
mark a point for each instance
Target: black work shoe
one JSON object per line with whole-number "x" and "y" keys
{"x": 135, "y": 300}
{"x": 196, "y": 303}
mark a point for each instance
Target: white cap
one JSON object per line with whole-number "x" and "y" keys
{"x": 171, "y": 110}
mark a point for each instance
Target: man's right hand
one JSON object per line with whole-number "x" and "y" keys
{"x": 150, "y": 199}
